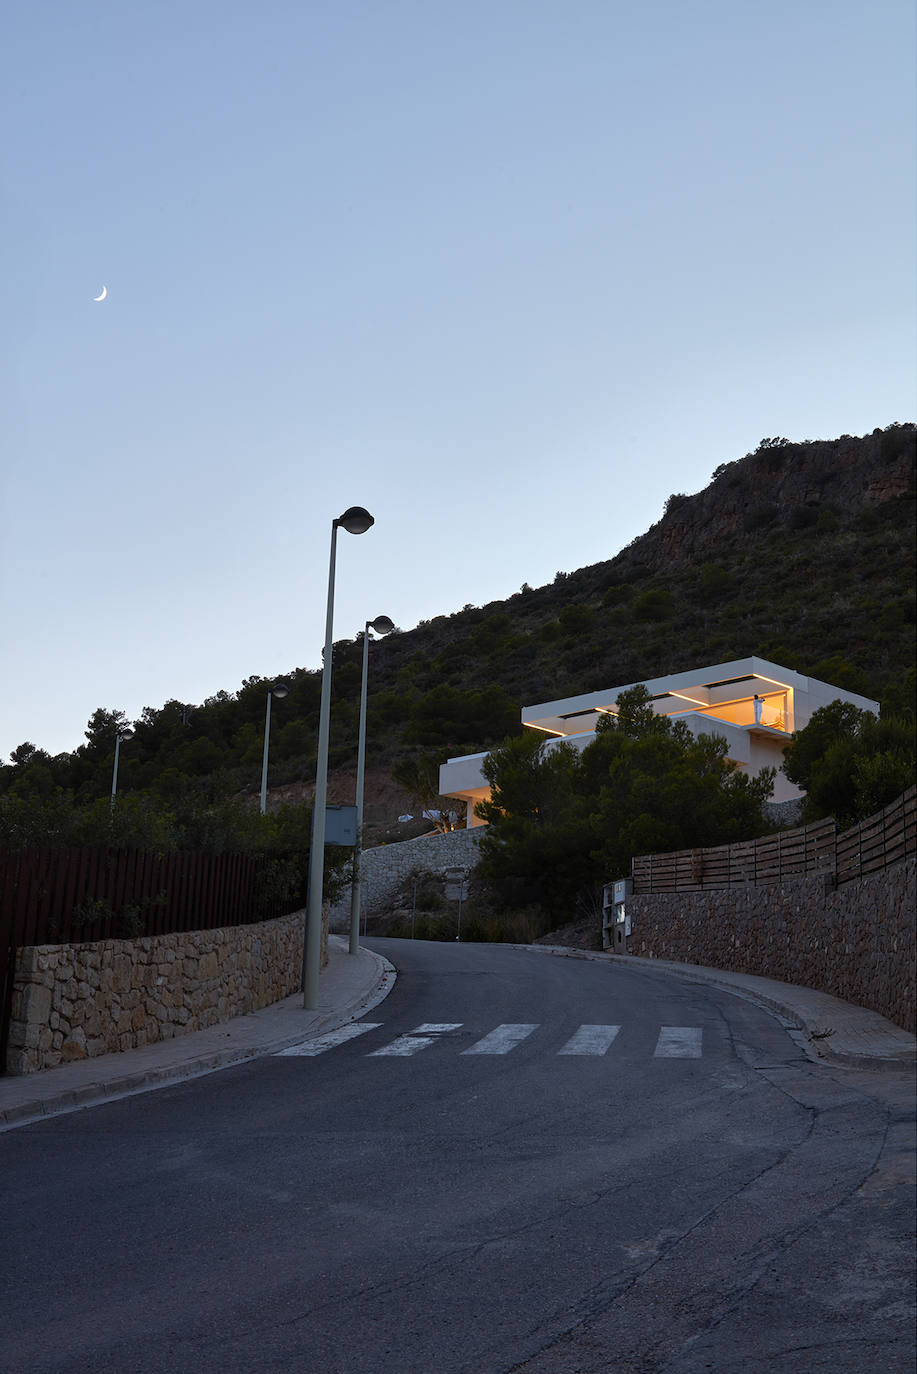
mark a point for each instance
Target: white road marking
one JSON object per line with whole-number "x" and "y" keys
{"x": 329, "y": 1041}
{"x": 679, "y": 1042}
{"x": 590, "y": 1040}
{"x": 503, "y": 1039}
{"x": 404, "y": 1045}
{"x": 675, "y": 1042}
{"x": 417, "y": 1040}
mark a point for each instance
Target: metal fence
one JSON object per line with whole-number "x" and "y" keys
{"x": 884, "y": 839}
{"x": 70, "y": 895}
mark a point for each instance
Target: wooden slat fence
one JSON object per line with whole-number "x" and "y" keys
{"x": 884, "y": 839}
{"x": 880, "y": 841}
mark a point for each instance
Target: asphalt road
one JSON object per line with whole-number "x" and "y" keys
{"x": 554, "y": 1166}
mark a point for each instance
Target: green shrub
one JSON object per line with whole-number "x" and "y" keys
{"x": 654, "y": 604}
{"x": 616, "y": 595}
{"x": 714, "y": 582}
{"x": 429, "y": 900}
{"x": 758, "y": 518}
{"x": 576, "y": 619}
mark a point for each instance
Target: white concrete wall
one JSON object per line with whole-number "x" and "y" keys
{"x": 461, "y": 773}
{"x": 815, "y": 694}
{"x": 766, "y": 752}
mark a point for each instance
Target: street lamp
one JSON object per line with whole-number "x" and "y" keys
{"x": 355, "y": 520}
{"x": 122, "y": 733}
{"x": 279, "y": 690}
{"x": 382, "y": 626}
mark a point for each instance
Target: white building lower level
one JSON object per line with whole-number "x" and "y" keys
{"x": 753, "y": 704}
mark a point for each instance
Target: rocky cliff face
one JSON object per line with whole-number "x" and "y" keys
{"x": 780, "y": 485}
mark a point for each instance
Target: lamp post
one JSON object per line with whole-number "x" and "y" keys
{"x": 355, "y": 520}
{"x": 460, "y": 899}
{"x": 122, "y": 733}
{"x": 382, "y": 626}
{"x": 279, "y": 690}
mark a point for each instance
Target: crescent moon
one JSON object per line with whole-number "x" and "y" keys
{"x": 103, "y": 295}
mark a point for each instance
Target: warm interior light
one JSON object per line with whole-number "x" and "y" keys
{"x": 740, "y": 710}
{"x": 785, "y": 685}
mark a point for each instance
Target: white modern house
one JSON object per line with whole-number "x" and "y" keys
{"x": 753, "y": 704}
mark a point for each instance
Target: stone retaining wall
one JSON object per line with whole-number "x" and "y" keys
{"x": 385, "y": 868}
{"x": 78, "y": 1001}
{"x": 856, "y": 941}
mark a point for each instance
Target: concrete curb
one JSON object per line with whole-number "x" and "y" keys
{"x": 817, "y": 1015}
{"x": 127, "y": 1083}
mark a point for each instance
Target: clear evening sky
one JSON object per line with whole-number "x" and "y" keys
{"x": 507, "y": 273}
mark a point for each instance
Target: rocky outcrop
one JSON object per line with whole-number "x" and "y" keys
{"x": 779, "y": 484}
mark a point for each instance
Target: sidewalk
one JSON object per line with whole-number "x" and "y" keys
{"x": 348, "y": 988}
{"x": 835, "y": 1031}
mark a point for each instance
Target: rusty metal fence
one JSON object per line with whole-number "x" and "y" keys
{"x": 884, "y": 839}
{"x": 69, "y": 895}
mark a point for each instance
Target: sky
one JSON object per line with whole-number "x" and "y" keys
{"x": 507, "y": 273}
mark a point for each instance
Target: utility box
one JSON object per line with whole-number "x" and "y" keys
{"x": 341, "y": 825}
{"x": 615, "y": 917}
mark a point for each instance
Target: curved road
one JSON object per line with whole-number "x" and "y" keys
{"x": 514, "y": 1163}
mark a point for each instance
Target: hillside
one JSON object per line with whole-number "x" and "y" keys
{"x": 802, "y": 553}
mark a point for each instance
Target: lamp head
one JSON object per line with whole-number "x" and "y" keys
{"x": 125, "y": 733}
{"x": 280, "y": 690}
{"x": 355, "y": 520}
{"x": 382, "y": 625}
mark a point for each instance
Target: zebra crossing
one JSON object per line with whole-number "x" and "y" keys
{"x": 673, "y": 1042}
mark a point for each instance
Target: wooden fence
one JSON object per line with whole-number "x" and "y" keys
{"x": 880, "y": 841}
{"x": 884, "y": 839}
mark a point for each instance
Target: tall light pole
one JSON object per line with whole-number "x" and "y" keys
{"x": 382, "y": 626}
{"x": 355, "y": 520}
{"x": 279, "y": 690}
{"x": 122, "y": 733}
